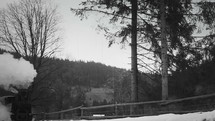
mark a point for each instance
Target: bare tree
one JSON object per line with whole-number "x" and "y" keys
{"x": 29, "y": 28}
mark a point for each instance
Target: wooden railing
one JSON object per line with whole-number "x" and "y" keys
{"x": 184, "y": 105}
{"x": 72, "y": 113}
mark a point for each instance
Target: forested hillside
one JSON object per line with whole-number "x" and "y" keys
{"x": 62, "y": 84}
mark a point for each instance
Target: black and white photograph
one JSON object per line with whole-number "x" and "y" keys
{"x": 107, "y": 60}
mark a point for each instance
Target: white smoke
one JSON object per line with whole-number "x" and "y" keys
{"x": 18, "y": 72}
{"x": 4, "y": 113}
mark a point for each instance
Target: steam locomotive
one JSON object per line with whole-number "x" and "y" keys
{"x": 20, "y": 105}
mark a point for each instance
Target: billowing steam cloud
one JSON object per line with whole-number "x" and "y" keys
{"x": 18, "y": 72}
{"x": 4, "y": 113}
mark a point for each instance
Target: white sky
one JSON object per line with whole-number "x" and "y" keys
{"x": 81, "y": 40}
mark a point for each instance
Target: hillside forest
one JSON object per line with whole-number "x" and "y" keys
{"x": 65, "y": 84}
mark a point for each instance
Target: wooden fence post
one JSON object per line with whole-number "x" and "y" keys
{"x": 116, "y": 110}
{"x": 61, "y": 116}
{"x": 44, "y": 116}
{"x": 82, "y": 112}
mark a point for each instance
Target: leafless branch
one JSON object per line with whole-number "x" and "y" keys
{"x": 30, "y": 29}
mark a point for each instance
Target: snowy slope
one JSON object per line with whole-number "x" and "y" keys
{"x": 200, "y": 116}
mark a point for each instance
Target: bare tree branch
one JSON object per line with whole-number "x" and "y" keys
{"x": 30, "y": 29}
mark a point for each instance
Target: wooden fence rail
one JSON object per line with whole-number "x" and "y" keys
{"x": 184, "y": 105}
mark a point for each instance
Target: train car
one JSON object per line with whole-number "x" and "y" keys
{"x": 20, "y": 106}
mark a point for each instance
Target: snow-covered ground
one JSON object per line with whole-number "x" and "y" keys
{"x": 200, "y": 116}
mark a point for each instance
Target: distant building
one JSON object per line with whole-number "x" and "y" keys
{"x": 99, "y": 95}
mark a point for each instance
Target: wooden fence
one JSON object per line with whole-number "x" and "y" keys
{"x": 179, "y": 106}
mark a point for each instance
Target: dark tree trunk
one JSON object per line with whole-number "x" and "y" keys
{"x": 164, "y": 53}
{"x": 134, "y": 69}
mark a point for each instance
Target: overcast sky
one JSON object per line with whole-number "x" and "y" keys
{"x": 81, "y": 40}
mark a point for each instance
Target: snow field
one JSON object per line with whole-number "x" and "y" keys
{"x": 199, "y": 116}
